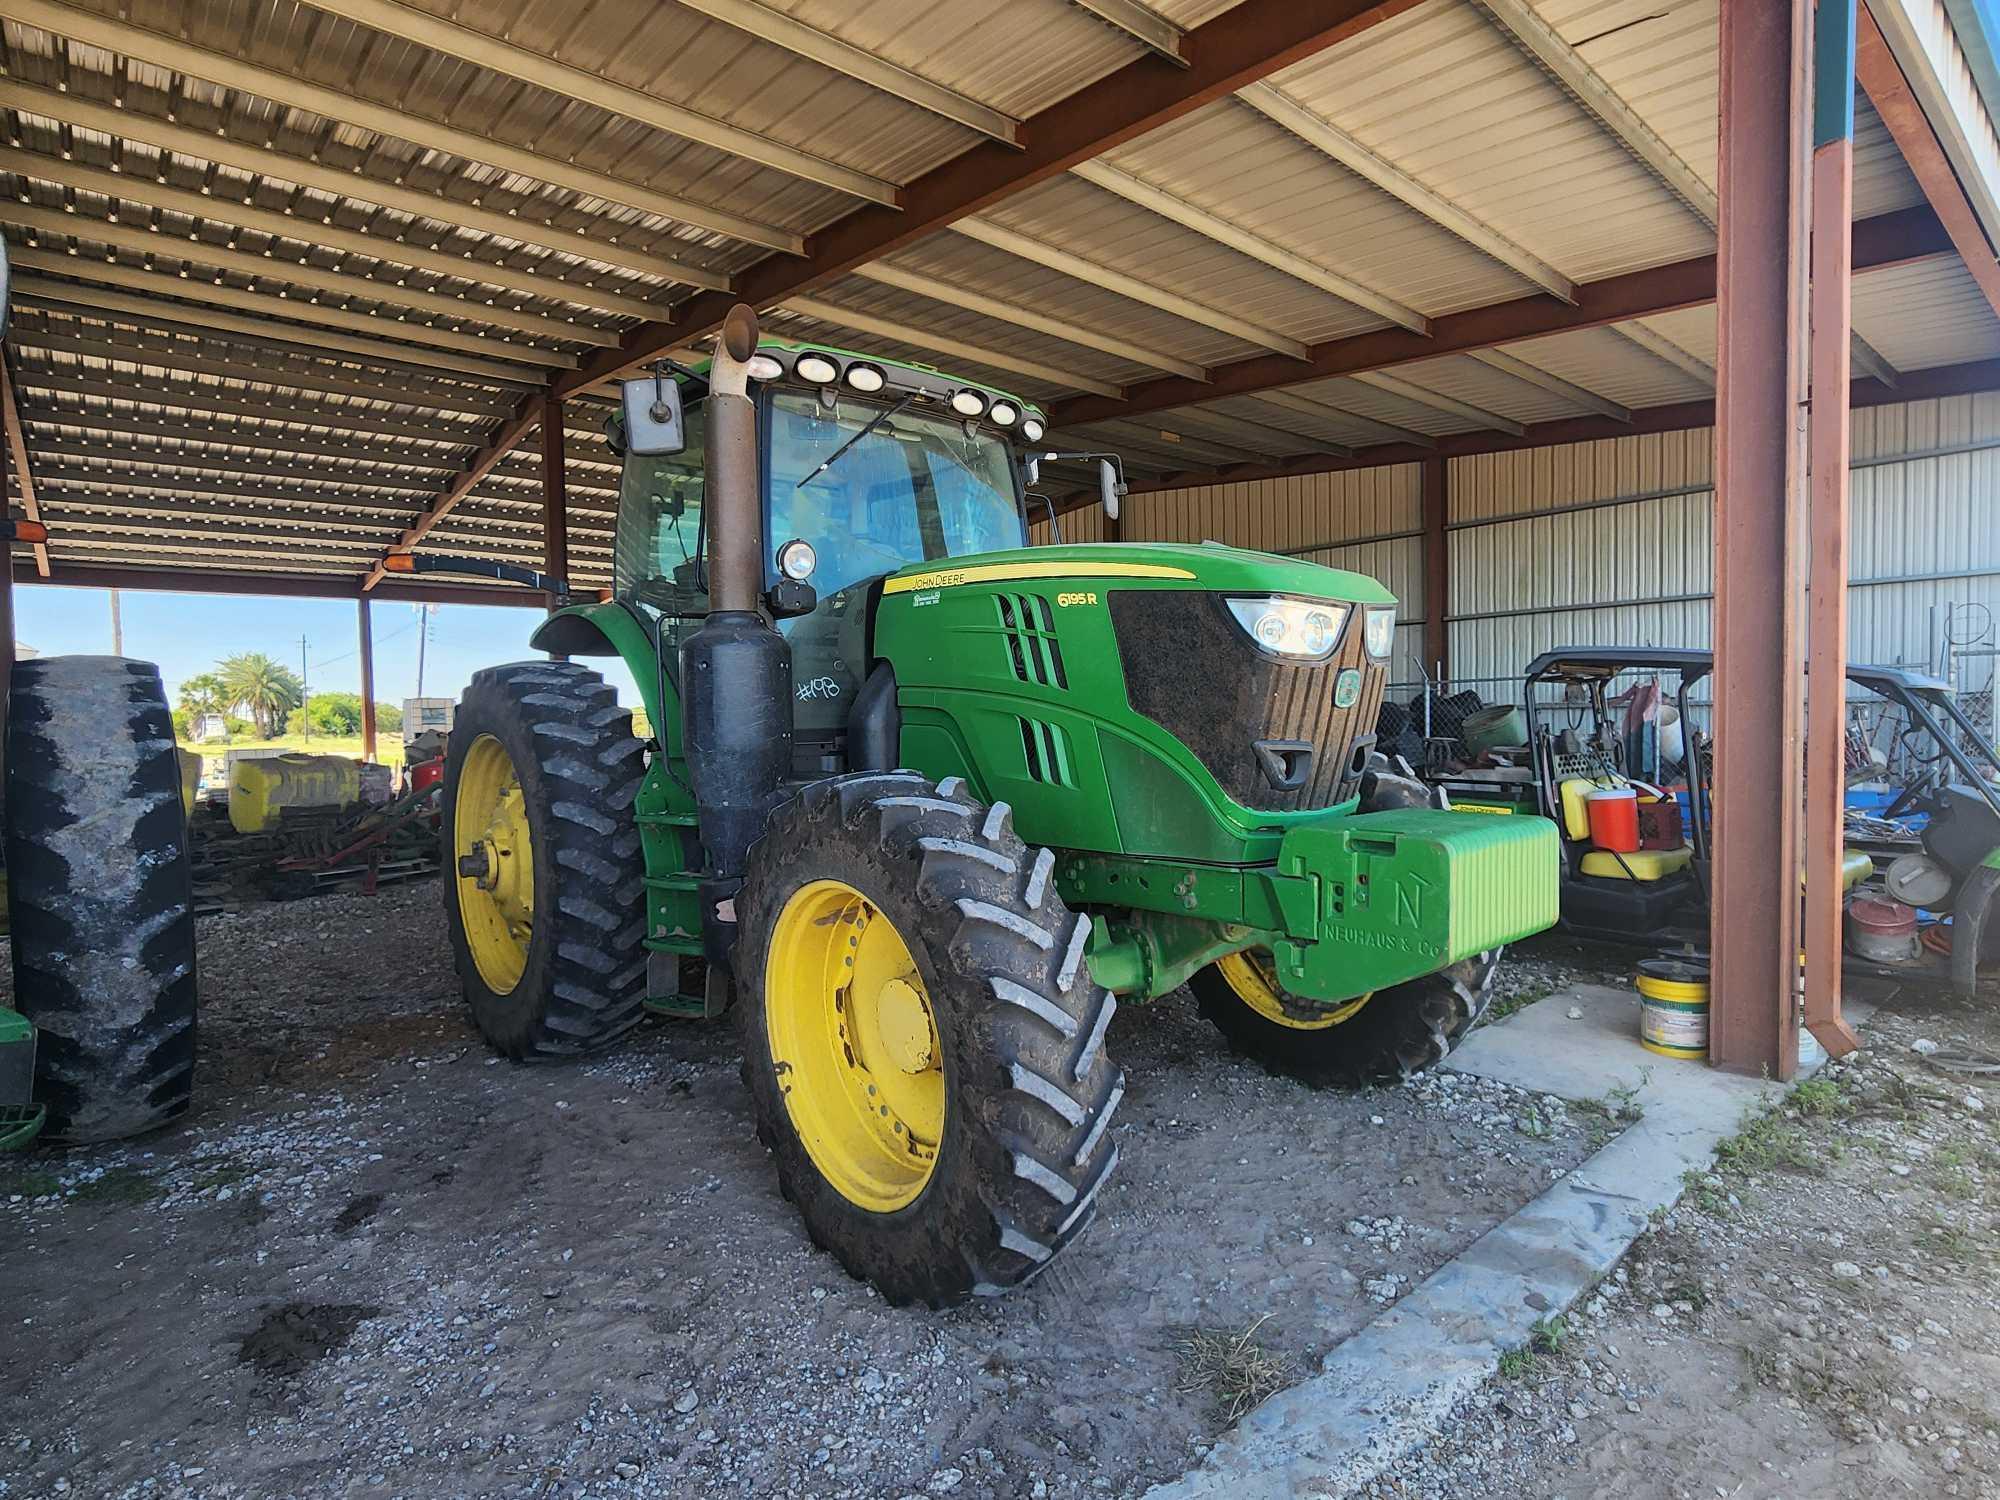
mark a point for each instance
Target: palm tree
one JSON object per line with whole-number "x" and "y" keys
{"x": 203, "y": 694}
{"x": 265, "y": 689}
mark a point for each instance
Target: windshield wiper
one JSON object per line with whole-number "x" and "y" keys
{"x": 842, "y": 449}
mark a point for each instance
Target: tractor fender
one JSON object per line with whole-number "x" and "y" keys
{"x": 1975, "y": 919}
{"x": 609, "y": 630}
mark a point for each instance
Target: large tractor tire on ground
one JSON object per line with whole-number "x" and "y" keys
{"x": 545, "y": 888}
{"x": 1384, "y": 1037}
{"x": 100, "y": 894}
{"x": 922, "y": 1041}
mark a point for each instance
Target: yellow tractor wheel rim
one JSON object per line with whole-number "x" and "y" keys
{"x": 494, "y": 855}
{"x": 1252, "y": 977}
{"x": 855, "y": 1044}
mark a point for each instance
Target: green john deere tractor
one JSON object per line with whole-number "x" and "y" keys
{"x": 922, "y": 804}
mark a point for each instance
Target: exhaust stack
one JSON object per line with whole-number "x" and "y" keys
{"x": 736, "y": 671}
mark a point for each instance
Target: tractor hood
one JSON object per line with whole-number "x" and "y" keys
{"x": 1171, "y": 565}
{"x": 1113, "y": 697}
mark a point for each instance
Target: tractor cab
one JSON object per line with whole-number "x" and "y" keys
{"x": 868, "y": 467}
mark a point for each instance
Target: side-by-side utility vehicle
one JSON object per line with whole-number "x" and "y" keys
{"x": 920, "y": 800}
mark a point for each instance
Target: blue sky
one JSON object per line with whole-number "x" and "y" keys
{"x": 188, "y": 633}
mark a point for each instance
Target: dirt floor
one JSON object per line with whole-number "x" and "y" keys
{"x": 379, "y": 1262}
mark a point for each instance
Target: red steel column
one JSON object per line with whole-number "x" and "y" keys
{"x": 1827, "y": 449}
{"x": 1437, "y": 566}
{"x": 1758, "y": 662}
{"x": 367, "y": 678}
{"x": 555, "y": 502}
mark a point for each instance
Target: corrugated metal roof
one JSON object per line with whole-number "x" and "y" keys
{"x": 360, "y": 233}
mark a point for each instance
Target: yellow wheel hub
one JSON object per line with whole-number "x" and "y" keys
{"x": 1255, "y": 980}
{"x": 855, "y": 1045}
{"x": 493, "y": 852}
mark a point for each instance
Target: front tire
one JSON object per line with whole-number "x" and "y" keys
{"x": 544, "y": 888}
{"x": 1385, "y": 1037}
{"x": 922, "y": 1042}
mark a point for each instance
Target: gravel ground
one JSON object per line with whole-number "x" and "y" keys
{"x": 1817, "y": 1317}
{"x": 380, "y": 1262}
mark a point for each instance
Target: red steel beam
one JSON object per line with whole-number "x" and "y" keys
{"x": 1827, "y": 433}
{"x": 17, "y": 455}
{"x": 1915, "y": 385}
{"x": 555, "y": 502}
{"x": 1886, "y": 240}
{"x": 1878, "y": 72}
{"x": 1249, "y": 42}
{"x": 1759, "y": 666}
{"x": 274, "y": 585}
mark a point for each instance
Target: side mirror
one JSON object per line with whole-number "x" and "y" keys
{"x": 652, "y": 406}
{"x": 1034, "y": 470}
{"x": 1108, "y": 487}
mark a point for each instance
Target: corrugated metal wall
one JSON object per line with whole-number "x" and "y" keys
{"x": 1611, "y": 541}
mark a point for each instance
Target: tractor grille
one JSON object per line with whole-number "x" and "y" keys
{"x": 1031, "y": 639}
{"x": 1267, "y": 730}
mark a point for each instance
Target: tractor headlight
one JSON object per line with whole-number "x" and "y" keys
{"x": 969, "y": 403}
{"x": 816, "y": 368}
{"x": 1004, "y": 413}
{"x": 1380, "y": 631}
{"x": 1032, "y": 429}
{"x": 765, "y": 367}
{"x": 867, "y": 379}
{"x": 1290, "y": 627}
{"x": 796, "y": 559}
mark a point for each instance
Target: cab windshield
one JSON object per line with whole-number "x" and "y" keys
{"x": 915, "y": 488}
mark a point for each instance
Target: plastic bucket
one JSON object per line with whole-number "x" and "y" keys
{"x": 1614, "y": 818}
{"x": 1500, "y": 727}
{"x": 1673, "y": 1009}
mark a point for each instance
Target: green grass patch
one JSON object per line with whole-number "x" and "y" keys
{"x": 119, "y": 1185}
{"x": 29, "y": 1184}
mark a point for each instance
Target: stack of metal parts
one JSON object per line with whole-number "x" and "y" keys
{"x": 305, "y": 851}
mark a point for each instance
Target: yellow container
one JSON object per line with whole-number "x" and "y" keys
{"x": 190, "y": 777}
{"x": 1673, "y": 1011}
{"x": 262, "y": 791}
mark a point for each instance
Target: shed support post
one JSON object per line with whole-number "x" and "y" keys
{"x": 555, "y": 503}
{"x": 1827, "y": 452}
{"x": 1758, "y": 659}
{"x": 367, "y": 634}
{"x": 1436, "y": 502}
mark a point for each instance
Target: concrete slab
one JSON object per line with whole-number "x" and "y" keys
{"x": 1389, "y": 1388}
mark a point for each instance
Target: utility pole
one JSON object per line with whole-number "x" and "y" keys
{"x": 423, "y": 640}
{"x": 117, "y": 627}
{"x": 305, "y": 694}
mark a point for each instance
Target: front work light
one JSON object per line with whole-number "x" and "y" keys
{"x": 1032, "y": 430}
{"x": 1290, "y": 627}
{"x": 764, "y": 367}
{"x": 796, "y": 559}
{"x": 1004, "y": 413}
{"x": 1380, "y": 630}
{"x": 816, "y": 368}
{"x": 969, "y": 403}
{"x": 866, "y": 379}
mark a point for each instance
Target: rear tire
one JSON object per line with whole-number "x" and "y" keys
{"x": 98, "y": 883}
{"x": 1016, "y": 1030}
{"x": 1398, "y": 1033}
{"x": 573, "y": 978}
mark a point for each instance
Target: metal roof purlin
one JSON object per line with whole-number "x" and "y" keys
{"x": 175, "y": 55}
{"x": 1246, "y": 43}
{"x": 1885, "y": 240}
